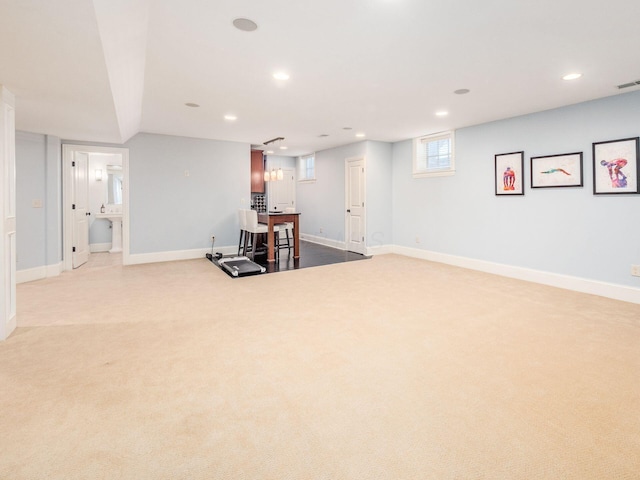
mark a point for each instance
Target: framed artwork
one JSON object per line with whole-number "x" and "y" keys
{"x": 564, "y": 170}
{"x": 615, "y": 166}
{"x": 510, "y": 173}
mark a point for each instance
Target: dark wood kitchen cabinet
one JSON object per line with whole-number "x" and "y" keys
{"x": 257, "y": 172}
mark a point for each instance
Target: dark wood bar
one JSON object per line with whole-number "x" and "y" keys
{"x": 272, "y": 219}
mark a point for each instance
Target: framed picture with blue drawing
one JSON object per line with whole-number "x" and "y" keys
{"x": 564, "y": 170}
{"x": 615, "y": 166}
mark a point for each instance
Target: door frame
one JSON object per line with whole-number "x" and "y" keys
{"x": 8, "y": 207}
{"x": 346, "y": 202}
{"x": 80, "y": 198}
{"x": 68, "y": 151}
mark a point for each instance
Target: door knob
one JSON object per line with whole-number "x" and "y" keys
{"x": 348, "y": 210}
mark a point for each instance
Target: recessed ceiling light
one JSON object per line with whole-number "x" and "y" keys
{"x": 347, "y": 128}
{"x": 461, "y": 91}
{"x": 192, "y": 105}
{"x": 281, "y": 76}
{"x": 283, "y": 147}
{"x": 245, "y": 24}
{"x": 360, "y": 135}
{"x": 231, "y": 118}
{"x": 572, "y": 76}
{"x": 442, "y": 113}
{"x": 270, "y": 152}
{"x": 322, "y": 135}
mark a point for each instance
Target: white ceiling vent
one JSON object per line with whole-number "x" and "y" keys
{"x": 630, "y": 84}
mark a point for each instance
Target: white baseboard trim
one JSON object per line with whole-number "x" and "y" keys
{"x": 340, "y": 245}
{"x": 99, "y": 247}
{"x": 38, "y": 273}
{"x": 381, "y": 249}
{"x": 323, "y": 241}
{"x": 583, "y": 285}
{"x": 170, "y": 256}
{"x": 577, "y": 284}
{"x": 55, "y": 269}
{"x": 31, "y": 274}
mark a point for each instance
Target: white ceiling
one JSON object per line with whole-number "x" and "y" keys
{"x": 103, "y": 70}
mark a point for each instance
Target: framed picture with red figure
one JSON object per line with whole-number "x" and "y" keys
{"x": 509, "y": 173}
{"x": 615, "y": 166}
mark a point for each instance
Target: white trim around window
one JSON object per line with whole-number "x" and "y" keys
{"x": 434, "y": 155}
{"x": 307, "y": 168}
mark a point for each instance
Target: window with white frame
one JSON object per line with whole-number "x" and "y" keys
{"x": 307, "y": 168}
{"x": 433, "y": 155}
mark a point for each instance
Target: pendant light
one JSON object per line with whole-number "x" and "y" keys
{"x": 273, "y": 174}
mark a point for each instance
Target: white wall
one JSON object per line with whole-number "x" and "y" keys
{"x": 169, "y": 212}
{"x": 379, "y": 174}
{"x": 566, "y": 231}
{"x": 280, "y": 161}
{"x": 173, "y": 212}
{"x": 53, "y": 202}
{"x": 321, "y": 203}
{"x": 30, "y": 187}
{"x": 38, "y": 182}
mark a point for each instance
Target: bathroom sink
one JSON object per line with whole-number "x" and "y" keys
{"x": 114, "y": 216}
{"x": 116, "y": 229}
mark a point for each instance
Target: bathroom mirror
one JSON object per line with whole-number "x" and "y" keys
{"x": 114, "y": 184}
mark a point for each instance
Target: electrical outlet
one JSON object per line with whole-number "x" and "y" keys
{"x": 186, "y": 173}
{"x": 213, "y": 238}
{"x": 320, "y": 229}
{"x": 635, "y": 270}
{"x": 417, "y": 239}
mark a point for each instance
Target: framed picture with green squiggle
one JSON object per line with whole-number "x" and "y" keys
{"x": 564, "y": 170}
{"x": 615, "y": 166}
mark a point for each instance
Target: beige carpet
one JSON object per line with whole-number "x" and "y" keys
{"x": 390, "y": 368}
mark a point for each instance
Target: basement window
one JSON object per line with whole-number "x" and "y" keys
{"x": 307, "y": 168}
{"x": 433, "y": 155}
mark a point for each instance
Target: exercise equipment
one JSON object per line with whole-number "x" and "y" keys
{"x": 239, "y": 266}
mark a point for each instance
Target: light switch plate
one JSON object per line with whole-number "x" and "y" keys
{"x": 37, "y": 203}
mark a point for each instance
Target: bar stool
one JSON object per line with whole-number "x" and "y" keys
{"x": 286, "y": 227}
{"x": 254, "y": 228}
{"x": 241, "y": 221}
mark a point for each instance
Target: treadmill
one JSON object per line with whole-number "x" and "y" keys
{"x": 240, "y": 266}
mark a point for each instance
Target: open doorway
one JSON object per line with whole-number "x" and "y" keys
{"x": 95, "y": 205}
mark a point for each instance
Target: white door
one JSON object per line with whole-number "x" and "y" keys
{"x": 355, "y": 209}
{"x": 282, "y": 192}
{"x": 80, "y": 207}
{"x": 7, "y": 214}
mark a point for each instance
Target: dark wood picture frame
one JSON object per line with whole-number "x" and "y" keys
{"x": 615, "y": 166}
{"x": 561, "y": 170}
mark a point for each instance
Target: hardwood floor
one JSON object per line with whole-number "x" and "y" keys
{"x": 311, "y": 255}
